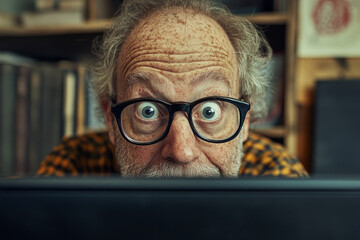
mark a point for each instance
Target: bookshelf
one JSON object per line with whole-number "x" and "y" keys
{"x": 74, "y": 42}
{"x": 96, "y": 26}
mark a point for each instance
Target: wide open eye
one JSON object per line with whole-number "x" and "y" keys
{"x": 147, "y": 111}
{"x": 209, "y": 111}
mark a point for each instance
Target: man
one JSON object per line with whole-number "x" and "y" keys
{"x": 176, "y": 82}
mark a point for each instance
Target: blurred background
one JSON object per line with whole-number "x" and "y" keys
{"x": 45, "y": 54}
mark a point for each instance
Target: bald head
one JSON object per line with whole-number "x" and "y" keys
{"x": 177, "y": 44}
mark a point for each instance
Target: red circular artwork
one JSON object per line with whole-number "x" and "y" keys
{"x": 331, "y": 16}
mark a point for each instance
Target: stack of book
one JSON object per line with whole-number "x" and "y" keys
{"x": 7, "y": 20}
{"x": 48, "y": 13}
{"x": 40, "y": 103}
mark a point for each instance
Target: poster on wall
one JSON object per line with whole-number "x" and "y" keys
{"x": 329, "y": 28}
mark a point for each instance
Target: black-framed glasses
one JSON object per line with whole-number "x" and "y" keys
{"x": 145, "y": 121}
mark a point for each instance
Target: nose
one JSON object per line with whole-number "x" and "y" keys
{"x": 180, "y": 143}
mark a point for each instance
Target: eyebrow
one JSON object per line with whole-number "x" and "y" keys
{"x": 139, "y": 77}
{"x": 148, "y": 79}
{"x": 214, "y": 76}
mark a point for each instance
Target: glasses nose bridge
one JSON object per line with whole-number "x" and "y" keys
{"x": 180, "y": 107}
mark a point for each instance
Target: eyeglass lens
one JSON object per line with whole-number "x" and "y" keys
{"x": 216, "y": 120}
{"x": 147, "y": 120}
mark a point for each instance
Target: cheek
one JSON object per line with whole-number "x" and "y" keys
{"x": 143, "y": 155}
{"x": 218, "y": 154}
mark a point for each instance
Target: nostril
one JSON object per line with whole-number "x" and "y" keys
{"x": 182, "y": 154}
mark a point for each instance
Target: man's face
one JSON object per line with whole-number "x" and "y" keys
{"x": 177, "y": 55}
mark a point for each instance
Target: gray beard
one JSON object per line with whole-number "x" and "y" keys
{"x": 170, "y": 168}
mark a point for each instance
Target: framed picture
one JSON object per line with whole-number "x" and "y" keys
{"x": 329, "y": 28}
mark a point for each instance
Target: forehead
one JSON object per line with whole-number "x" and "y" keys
{"x": 177, "y": 43}
{"x": 175, "y": 25}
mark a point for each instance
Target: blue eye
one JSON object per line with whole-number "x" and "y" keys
{"x": 148, "y": 110}
{"x": 210, "y": 111}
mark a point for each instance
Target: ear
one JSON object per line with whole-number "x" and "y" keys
{"x": 246, "y": 126}
{"x": 105, "y": 106}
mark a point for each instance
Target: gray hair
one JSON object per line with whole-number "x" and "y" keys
{"x": 252, "y": 50}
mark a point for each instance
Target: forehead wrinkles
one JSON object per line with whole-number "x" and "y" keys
{"x": 177, "y": 42}
{"x": 175, "y": 61}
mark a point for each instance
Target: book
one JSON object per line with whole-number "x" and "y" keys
{"x": 52, "y": 18}
{"x": 35, "y": 125}
{"x": 16, "y": 60}
{"x": 81, "y": 98}
{"x": 69, "y": 109}
{"x": 44, "y": 5}
{"x": 22, "y": 121}
{"x": 40, "y": 103}
{"x": 56, "y": 92}
{"x": 7, "y": 115}
{"x": 7, "y": 20}
{"x": 13, "y": 125}
{"x": 103, "y": 9}
{"x": 51, "y": 108}
{"x": 93, "y": 111}
{"x": 67, "y": 5}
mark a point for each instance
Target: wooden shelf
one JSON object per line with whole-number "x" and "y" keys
{"x": 87, "y": 27}
{"x": 268, "y": 18}
{"x": 273, "y": 132}
{"x": 101, "y": 25}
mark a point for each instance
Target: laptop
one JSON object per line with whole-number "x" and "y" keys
{"x": 122, "y": 208}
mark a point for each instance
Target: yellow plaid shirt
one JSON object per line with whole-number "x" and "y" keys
{"x": 93, "y": 154}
